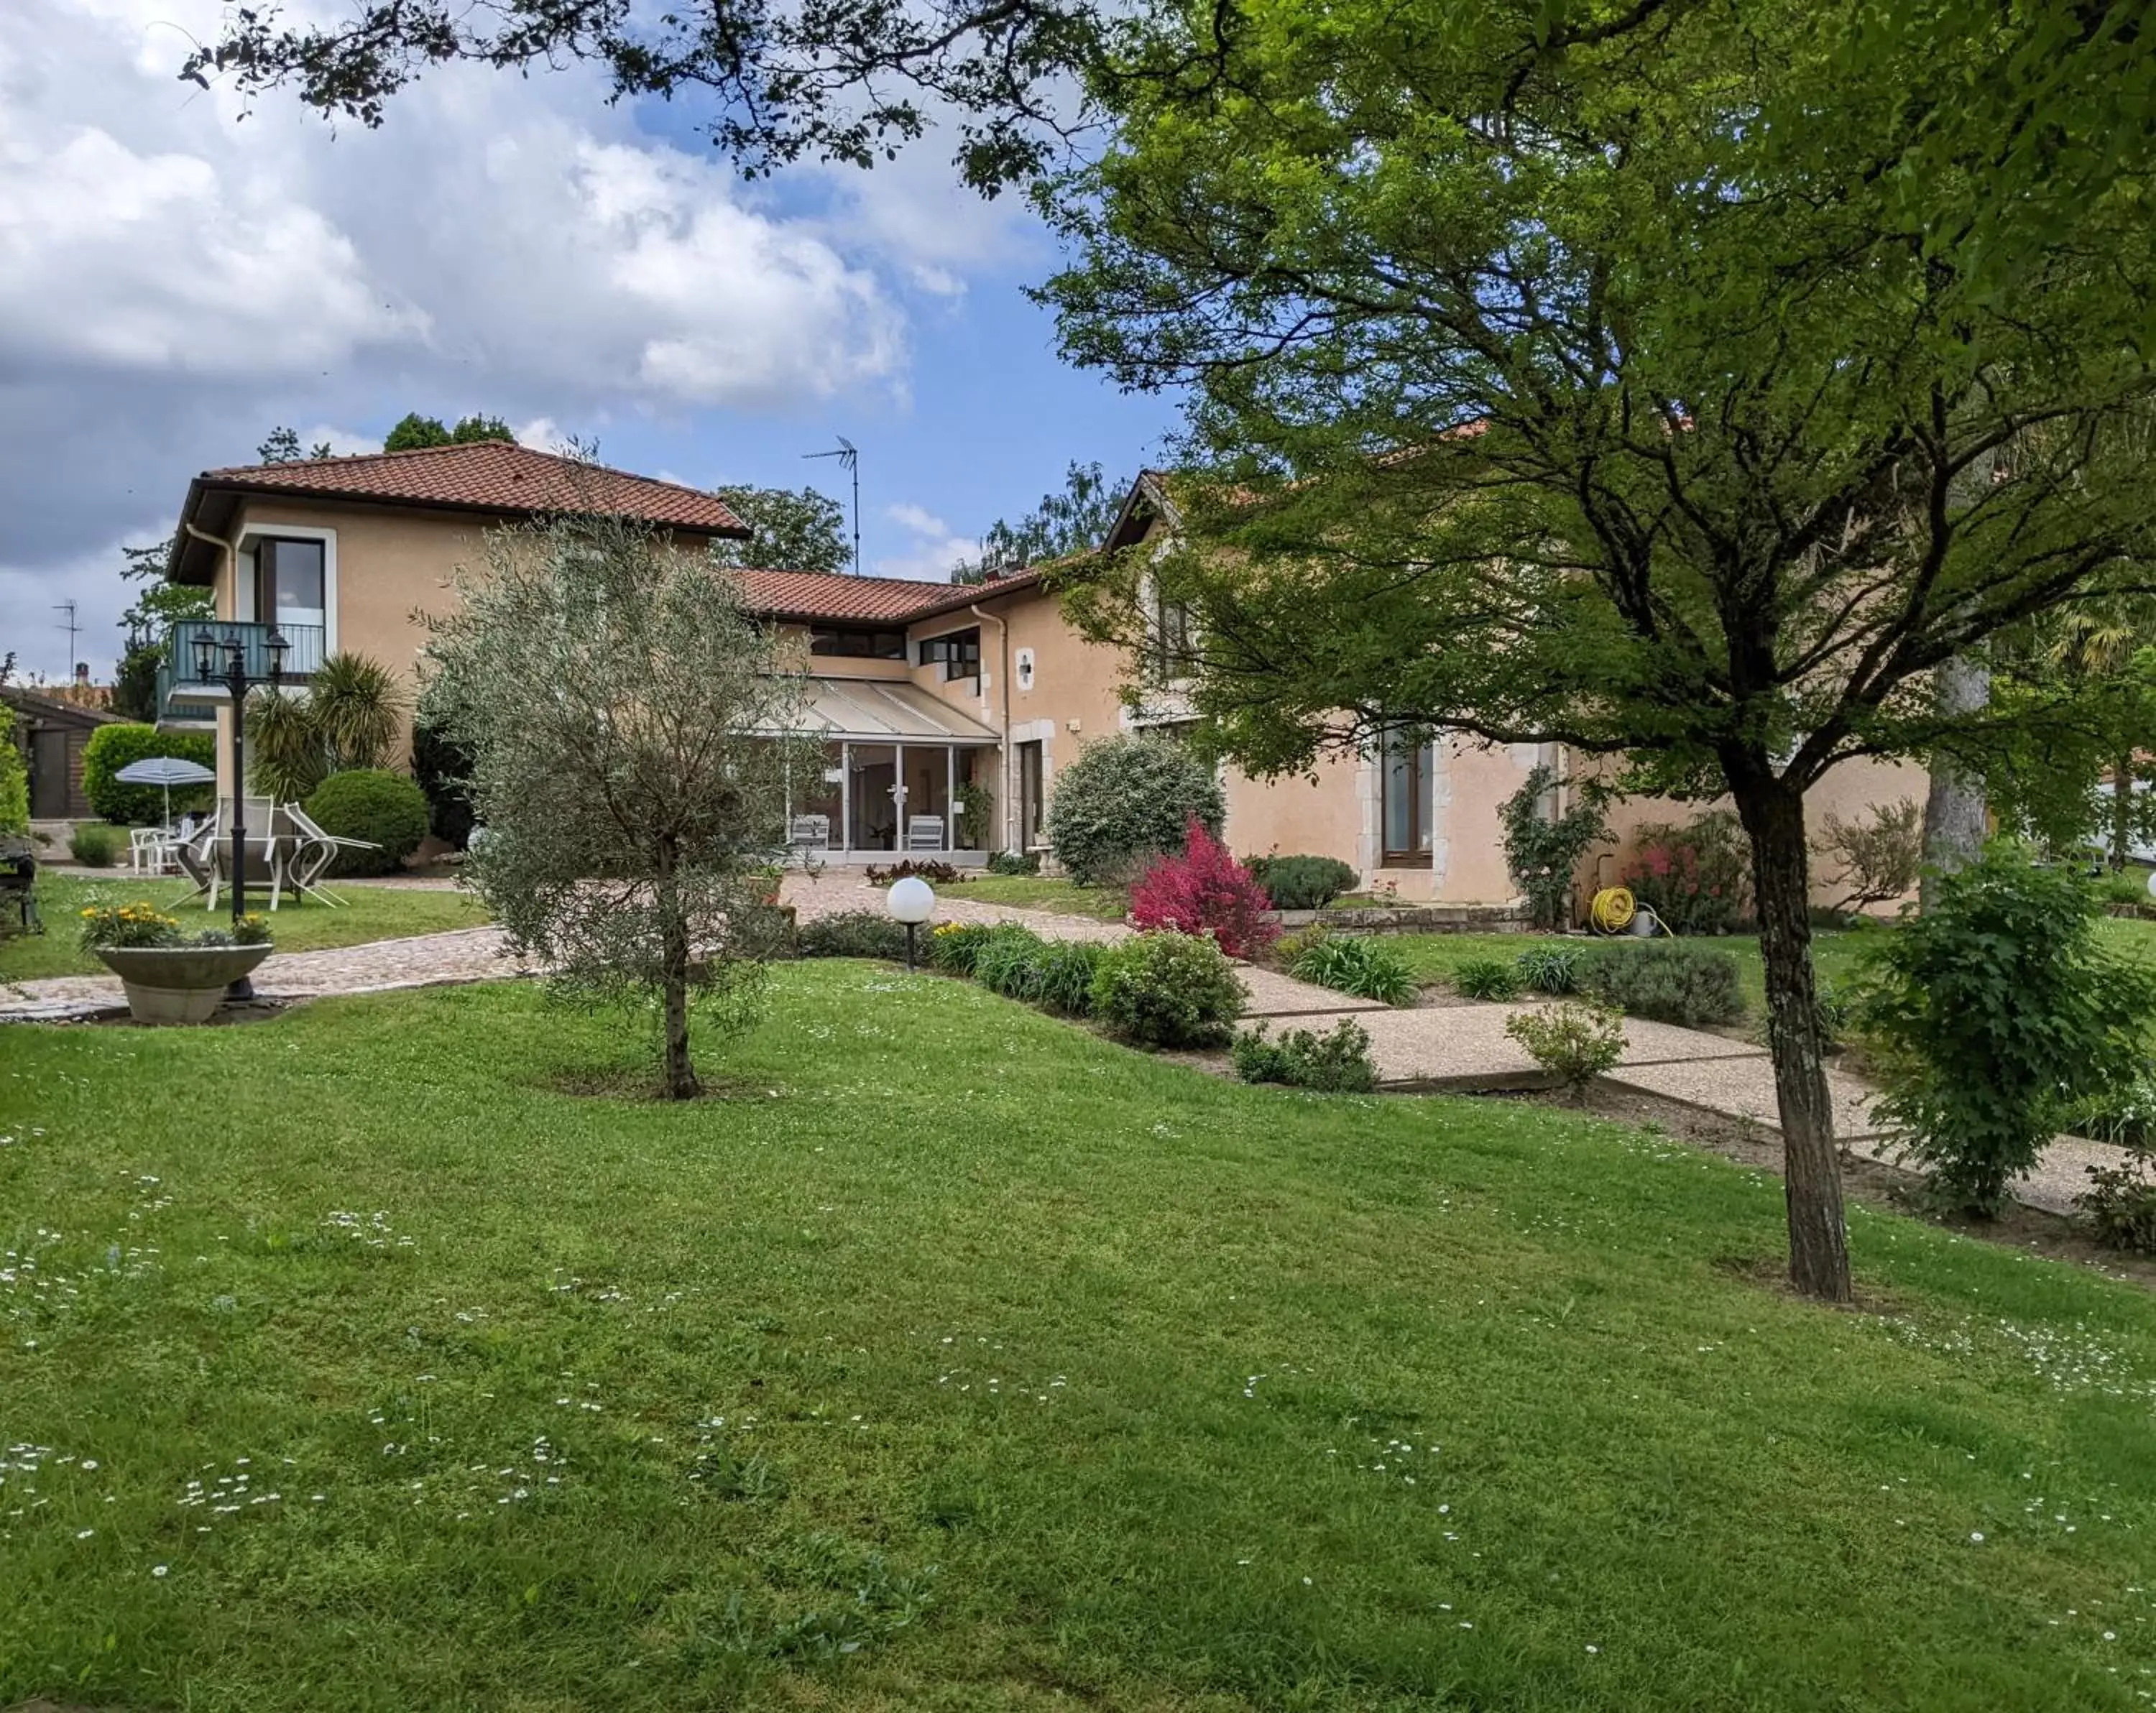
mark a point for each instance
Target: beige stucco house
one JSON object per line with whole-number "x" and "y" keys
{"x": 946, "y": 711}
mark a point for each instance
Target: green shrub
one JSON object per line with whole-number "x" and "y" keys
{"x": 2001, "y": 1012}
{"x": 854, "y": 933}
{"x": 1168, "y": 990}
{"x": 1671, "y": 981}
{"x": 2121, "y": 1202}
{"x": 14, "y": 778}
{"x": 112, "y": 747}
{"x": 1007, "y": 961}
{"x": 1125, "y": 800}
{"x": 1336, "y": 1062}
{"x": 1574, "y": 1043}
{"x": 1289, "y": 947}
{"x": 1357, "y": 964}
{"x": 1542, "y": 852}
{"x": 386, "y": 809}
{"x": 1014, "y": 861}
{"x": 97, "y": 844}
{"x": 1697, "y": 878}
{"x": 953, "y": 947}
{"x": 1837, "y": 1013}
{"x": 2125, "y": 1117}
{"x": 1302, "y": 882}
{"x": 441, "y": 767}
{"x": 1549, "y": 969}
{"x": 2126, "y": 886}
{"x": 1486, "y": 978}
{"x": 1064, "y": 974}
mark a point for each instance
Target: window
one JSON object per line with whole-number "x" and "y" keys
{"x": 857, "y": 644}
{"x": 1406, "y": 773}
{"x": 1171, "y": 640}
{"x": 289, "y": 582}
{"x": 1029, "y": 817}
{"x": 958, "y": 653}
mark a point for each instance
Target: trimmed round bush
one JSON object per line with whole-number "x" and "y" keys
{"x": 384, "y": 808}
{"x": 1126, "y": 801}
{"x": 1168, "y": 990}
{"x": 1302, "y": 882}
{"x": 112, "y": 747}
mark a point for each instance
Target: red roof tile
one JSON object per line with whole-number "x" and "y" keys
{"x": 486, "y": 476}
{"x": 867, "y": 600}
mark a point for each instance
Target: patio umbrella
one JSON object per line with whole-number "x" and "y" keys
{"x": 166, "y": 770}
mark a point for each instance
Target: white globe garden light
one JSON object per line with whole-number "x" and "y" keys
{"x": 912, "y": 901}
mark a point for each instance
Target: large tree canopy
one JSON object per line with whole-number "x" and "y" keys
{"x": 1684, "y": 383}
{"x": 796, "y": 529}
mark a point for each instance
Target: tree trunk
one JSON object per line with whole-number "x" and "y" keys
{"x": 1773, "y": 817}
{"x": 674, "y": 980}
{"x": 1955, "y": 820}
{"x": 2122, "y": 809}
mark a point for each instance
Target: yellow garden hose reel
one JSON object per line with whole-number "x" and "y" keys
{"x": 1615, "y": 910}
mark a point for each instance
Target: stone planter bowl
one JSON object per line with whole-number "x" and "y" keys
{"x": 177, "y": 984}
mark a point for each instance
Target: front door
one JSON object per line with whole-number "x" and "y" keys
{"x": 48, "y": 775}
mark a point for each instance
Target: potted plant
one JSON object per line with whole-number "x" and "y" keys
{"x": 170, "y": 978}
{"x": 769, "y": 877}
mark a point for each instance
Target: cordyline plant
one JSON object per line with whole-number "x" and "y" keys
{"x": 628, "y": 727}
{"x": 1685, "y": 383}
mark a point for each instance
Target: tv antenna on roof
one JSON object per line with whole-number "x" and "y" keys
{"x": 850, "y": 455}
{"x": 70, "y": 626}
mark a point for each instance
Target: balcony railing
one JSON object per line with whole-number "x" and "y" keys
{"x": 182, "y": 692}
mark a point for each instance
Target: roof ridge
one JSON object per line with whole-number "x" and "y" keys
{"x": 347, "y": 459}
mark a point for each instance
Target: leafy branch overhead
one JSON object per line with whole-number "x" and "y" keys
{"x": 848, "y": 81}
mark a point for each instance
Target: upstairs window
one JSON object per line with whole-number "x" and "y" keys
{"x": 958, "y": 652}
{"x": 853, "y": 643}
{"x": 1171, "y": 638}
{"x": 289, "y": 587}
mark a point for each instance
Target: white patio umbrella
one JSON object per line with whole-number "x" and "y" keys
{"x": 166, "y": 770}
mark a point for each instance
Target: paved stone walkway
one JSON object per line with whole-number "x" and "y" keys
{"x": 1459, "y": 1047}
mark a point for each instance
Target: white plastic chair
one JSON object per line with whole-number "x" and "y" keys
{"x": 150, "y": 851}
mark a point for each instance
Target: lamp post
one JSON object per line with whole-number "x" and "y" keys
{"x": 237, "y": 683}
{"x": 911, "y": 901}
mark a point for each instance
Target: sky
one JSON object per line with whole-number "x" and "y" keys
{"x": 180, "y": 274}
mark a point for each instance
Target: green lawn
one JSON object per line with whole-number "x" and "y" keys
{"x": 374, "y": 913}
{"x": 961, "y": 1361}
{"x": 1106, "y": 904}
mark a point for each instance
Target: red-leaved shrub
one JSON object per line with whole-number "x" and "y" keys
{"x": 1206, "y": 889}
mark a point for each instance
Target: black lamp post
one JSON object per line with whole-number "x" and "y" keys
{"x": 237, "y": 683}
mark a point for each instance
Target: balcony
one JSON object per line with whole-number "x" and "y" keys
{"x": 183, "y": 698}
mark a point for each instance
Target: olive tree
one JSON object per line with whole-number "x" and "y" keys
{"x": 631, "y": 729}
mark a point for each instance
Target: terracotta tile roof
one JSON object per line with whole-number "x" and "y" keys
{"x": 486, "y": 476}
{"x": 868, "y": 600}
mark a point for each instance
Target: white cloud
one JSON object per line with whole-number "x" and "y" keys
{"x": 934, "y": 550}
{"x": 176, "y": 279}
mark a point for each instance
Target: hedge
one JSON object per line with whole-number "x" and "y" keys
{"x": 112, "y": 747}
